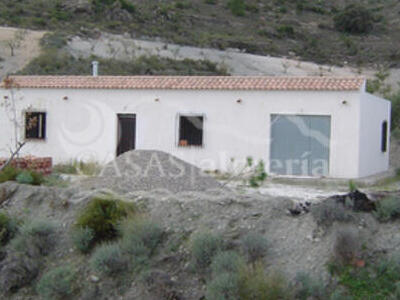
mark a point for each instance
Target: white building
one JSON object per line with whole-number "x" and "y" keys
{"x": 310, "y": 126}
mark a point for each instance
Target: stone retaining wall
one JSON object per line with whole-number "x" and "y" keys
{"x": 42, "y": 165}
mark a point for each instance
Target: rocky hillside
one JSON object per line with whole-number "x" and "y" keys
{"x": 142, "y": 234}
{"x": 323, "y": 31}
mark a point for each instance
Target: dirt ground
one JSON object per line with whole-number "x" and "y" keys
{"x": 237, "y": 63}
{"x": 29, "y": 49}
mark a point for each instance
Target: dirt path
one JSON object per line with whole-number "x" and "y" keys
{"x": 29, "y": 49}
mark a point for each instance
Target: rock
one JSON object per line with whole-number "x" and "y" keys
{"x": 357, "y": 200}
{"x": 78, "y": 6}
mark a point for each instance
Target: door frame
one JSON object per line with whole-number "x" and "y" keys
{"x": 117, "y": 117}
{"x": 317, "y": 114}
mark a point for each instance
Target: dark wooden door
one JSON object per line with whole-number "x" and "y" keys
{"x": 126, "y": 133}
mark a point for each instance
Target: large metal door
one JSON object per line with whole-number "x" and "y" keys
{"x": 126, "y": 133}
{"x": 300, "y": 145}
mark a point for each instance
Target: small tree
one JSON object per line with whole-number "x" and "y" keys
{"x": 9, "y": 104}
{"x": 16, "y": 41}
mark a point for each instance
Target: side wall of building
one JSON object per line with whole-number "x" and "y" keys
{"x": 82, "y": 124}
{"x": 374, "y": 111}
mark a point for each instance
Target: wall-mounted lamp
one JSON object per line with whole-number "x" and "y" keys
{"x": 65, "y": 98}
{"x": 239, "y": 101}
{"x": 157, "y": 100}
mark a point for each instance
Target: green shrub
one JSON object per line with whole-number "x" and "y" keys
{"x": 21, "y": 176}
{"x": 330, "y": 211}
{"x": 226, "y": 262}
{"x": 8, "y": 174}
{"x": 8, "y": 228}
{"x": 388, "y": 208}
{"x": 237, "y": 7}
{"x": 127, "y": 6}
{"x": 54, "y": 62}
{"x": 65, "y": 168}
{"x": 36, "y": 237}
{"x": 379, "y": 280}
{"x": 204, "y": 247}
{"x": 54, "y": 40}
{"x": 285, "y": 31}
{"x": 102, "y": 215}
{"x": 57, "y": 283}
{"x": 38, "y": 178}
{"x": 347, "y": 246}
{"x": 140, "y": 237}
{"x": 108, "y": 259}
{"x": 309, "y": 288}
{"x": 255, "y": 284}
{"x": 88, "y": 168}
{"x": 354, "y": 18}
{"x": 254, "y": 246}
{"x": 259, "y": 173}
{"x": 224, "y": 286}
{"x": 352, "y": 186}
{"x": 25, "y": 177}
{"x": 82, "y": 238}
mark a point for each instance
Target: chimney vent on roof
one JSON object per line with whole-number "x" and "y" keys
{"x": 95, "y": 68}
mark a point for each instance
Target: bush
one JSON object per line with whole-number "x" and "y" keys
{"x": 8, "y": 228}
{"x": 379, "y": 280}
{"x": 17, "y": 270}
{"x": 330, "y": 211}
{"x": 223, "y": 286}
{"x": 24, "y": 177}
{"x": 354, "y": 18}
{"x": 226, "y": 262}
{"x": 387, "y": 209}
{"x": 57, "y": 283}
{"x": 140, "y": 237}
{"x": 237, "y": 7}
{"x": 38, "y": 178}
{"x": 259, "y": 173}
{"x": 108, "y": 259}
{"x": 308, "y": 287}
{"x": 285, "y": 31}
{"x": 254, "y": 246}
{"x": 21, "y": 176}
{"x": 82, "y": 238}
{"x": 102, "y": 215}
{"x": 8, "y": 174}
{"x": 204, "y": 247}
{"x": 90, "y": 168}
{"x": 35, "y": 238}
{"x": 254, "y": 284}
{"x": 347, "y": 247}
{"x": 65, "y": 168}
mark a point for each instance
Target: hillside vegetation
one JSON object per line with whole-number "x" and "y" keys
{"x": 323, "y": 31}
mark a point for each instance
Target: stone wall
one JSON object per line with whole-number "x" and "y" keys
{"x": 42, "y": 165}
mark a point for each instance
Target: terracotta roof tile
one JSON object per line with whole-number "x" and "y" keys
{"x": 190, "y": 82}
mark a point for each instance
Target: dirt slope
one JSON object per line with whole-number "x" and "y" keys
{"x": 29, "y": 49}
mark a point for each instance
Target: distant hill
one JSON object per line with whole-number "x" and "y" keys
{"x": 322, "y": 31}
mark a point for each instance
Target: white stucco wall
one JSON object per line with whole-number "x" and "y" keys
{"x": 85, "y": 125}
{"x": 374, "y": 111}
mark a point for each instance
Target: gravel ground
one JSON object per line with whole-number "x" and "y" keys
{"x": 151, "y": 171}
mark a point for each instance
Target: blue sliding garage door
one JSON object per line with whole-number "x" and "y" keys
{"x": 300, "y": 145}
